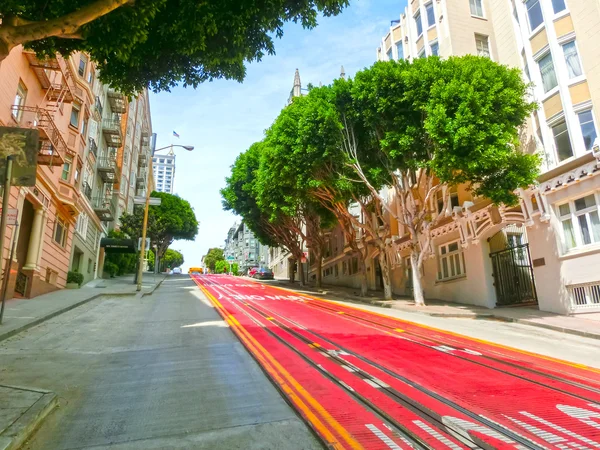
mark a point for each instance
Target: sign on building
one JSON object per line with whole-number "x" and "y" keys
{"x": 23, "y": 144}
{"x": 11, "y": 216}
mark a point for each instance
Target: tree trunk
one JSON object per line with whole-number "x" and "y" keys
{"x": 364, "y": 282}
{"x": 319, "y": 272}
{"x": 416, "y": 276}
{"x": 291, "y": 271}
{"x": 385, "y": 274}
{"x": 301, "y": 275}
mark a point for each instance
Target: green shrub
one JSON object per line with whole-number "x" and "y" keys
{"x": 111, "y": 268}
{"x": 75, "y": 277}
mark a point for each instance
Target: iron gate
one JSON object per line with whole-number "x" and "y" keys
{"x": 513, "y": 276}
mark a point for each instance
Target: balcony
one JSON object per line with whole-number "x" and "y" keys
{"x": 112, "y": 132}
{"x": 42, "y": 67}
{"x": 143, "y": 160}
{"x": 118, "y": 102}
{"x": 52, "y": 145}
{"x": 141, "y": 179}
{"x": 104, "y": 208}
{"x": 145, "y": 139}
{"x": 107, "y": 169}
{"x": 87, "y": 190}
{"x": 93, "y": 147}
{"x": 98, "y": 109}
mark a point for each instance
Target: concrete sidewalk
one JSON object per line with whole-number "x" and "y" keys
{"x": 22, "y": 408}
{"x": 21, "y": 314}
{"x": 586, "y": 325}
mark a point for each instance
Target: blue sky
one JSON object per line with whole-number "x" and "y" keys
{"x": 223, "y": 118}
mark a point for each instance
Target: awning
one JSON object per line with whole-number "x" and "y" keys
{"x": 117, "y": 245}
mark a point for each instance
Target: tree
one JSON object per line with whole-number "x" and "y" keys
{"x": 213, "y": 256}
{"x": 170, "y": 260}
{"x": 439, "y": 123}
{"x": 221, "y": 266}
{"x": 157, "y": 43}
{"x": 174, "y": 219}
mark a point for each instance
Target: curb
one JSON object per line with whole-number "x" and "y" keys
{"x": 475, "y": 316}
{"x": 145, "y": 294}
{"x": 58, "y": 312}
{"x": 16, "y": 434}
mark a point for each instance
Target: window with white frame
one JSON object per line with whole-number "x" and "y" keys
{"x": 580, "y": 221}
{"x": 534, "y": 12}
{"x": 82, "y": 225}
{"x": 19, "y": 102}
{"x": 476, "y": 7}
{"x": 483, "y": 45}
{"x": 430, "y": 14}
{"x": 588, "y": 128}
{"x": 572, "y": 59}
{"x": 421, "y": 53}
{"x": 439, "y": 197}
{"x": 389, "y": 55}
{"x": 558, "y": 6}
{"x": 435, "y": 48}
{"x": 549, "y": 80}
{"x": 400, "y": 49}
{"x": 60, "y": 232}
{"x": 562, "y": 141}
{"x": 419, "y": 24}
{"x": 451, "y": 261}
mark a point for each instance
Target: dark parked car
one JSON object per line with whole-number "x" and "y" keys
{"x": 263, "y": 274}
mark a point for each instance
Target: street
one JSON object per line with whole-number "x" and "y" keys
{"x": 156, "y": 372}
{"x": 364, "y": 380}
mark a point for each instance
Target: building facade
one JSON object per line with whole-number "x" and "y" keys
{"x": 547, "y": 250}
{"x": 76, "y": 197}
{"x": 163, "y": 167}
{"x": 242, "y": 244}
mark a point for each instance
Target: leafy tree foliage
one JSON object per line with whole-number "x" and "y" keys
{"x": 213, "y": 256}
{"x": 157, "y": 42}
{"x": 383, "y": 148}
{"x": 221, "y": 266}
{"x": 174, "y": 219}
{"x": 170, "y": 260}
{"x": 124, "y": 263}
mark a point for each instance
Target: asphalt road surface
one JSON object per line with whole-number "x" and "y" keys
{"x": 363, "y": 380}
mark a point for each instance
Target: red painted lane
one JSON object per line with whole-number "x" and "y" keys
{"x": 545, "y": 416}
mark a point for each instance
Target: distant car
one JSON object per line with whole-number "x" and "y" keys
{"x": 177, "y": 271}
{"x": 263, "y": 274}
{"x": 252, "y": 271}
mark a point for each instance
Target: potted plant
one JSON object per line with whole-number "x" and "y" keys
{"x": 74, "y": 280}
{"x": 111, "y": 269}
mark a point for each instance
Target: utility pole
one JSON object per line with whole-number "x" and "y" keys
{"x": 5, "y": 199}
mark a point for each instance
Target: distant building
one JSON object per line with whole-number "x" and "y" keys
{"x": 242, "y": 244}
{"x": 164, "y": 172}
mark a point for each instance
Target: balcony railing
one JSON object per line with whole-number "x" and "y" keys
{"x": 53, "y": 147}
{"x": 93, "y": 147}
{"x": 143, "y": 160}
{"x": 107, "y": 168}
{"x": 141, "y": 178}
{"x": 86, "y": 189}
{"x": 112, "y": 132}
{"x": 98, "y": 108}
{"x": 104, "y": 208}
{"x": 118, "y": 102}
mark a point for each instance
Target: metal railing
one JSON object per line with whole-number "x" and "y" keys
{"x": 98, "y": 106}
{"x": 93, "y": 147}
{"x": 86, "y": 189}
{"x": 585, "y": 296}
{"x": 112, "y": 124}
{"x": 107, "y": 163}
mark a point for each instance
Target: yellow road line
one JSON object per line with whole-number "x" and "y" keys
{"x": 451, "y": 333}
{"x": 257, "y": 349}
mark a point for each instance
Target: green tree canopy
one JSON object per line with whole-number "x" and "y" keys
{"x": 213, "y": 256}
{"x": 174, "y": 219}
{"x": 157, "y": 43}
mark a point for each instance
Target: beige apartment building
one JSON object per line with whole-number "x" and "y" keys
{"x": 77, "y": 197}
{"x": 547, "y": 250}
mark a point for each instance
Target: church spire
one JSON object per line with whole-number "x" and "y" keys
{"x": 297, "y": 91}
{"x": 342, "y": 73}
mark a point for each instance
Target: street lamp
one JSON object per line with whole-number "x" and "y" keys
{"x": 189, "y": 148}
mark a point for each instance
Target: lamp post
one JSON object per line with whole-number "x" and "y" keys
{"x": 189, "y": 148}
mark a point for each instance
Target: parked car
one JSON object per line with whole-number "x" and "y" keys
{"x": 177, "y": 271}
{"x": 252, "y": 271}
{"x": 263, "y": 274}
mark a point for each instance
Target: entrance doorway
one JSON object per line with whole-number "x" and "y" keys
{"x": 512, "y": 268}
{"x": 22, "y": 280}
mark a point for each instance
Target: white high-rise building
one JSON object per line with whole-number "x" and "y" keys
{"x": 164, "y": 172}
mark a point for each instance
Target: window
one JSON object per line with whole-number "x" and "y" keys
{"x": 84, "y": 126}
{"x": 421, "y": 53}
{"x": 75, "y": 112}
{"x": 66, "y": 172}
{"x": 435, "y": 48}
{"x": 453, "y": 199}
{"x": 430, "y": 14}
{"x": 90, "y": 77}
{"x": 389, "y": 55}
{"x": 562, "y": 141}
{"x": 82, "y": 225}
{"x": 476, "y": 7}
{"x": 534, "y": 11}
{"x": 451, "y": 263}
{"x": 588, "y": 129}
{"x": 548, "y": 74}
{"x": 19, "y": 102}
{"x": 419, "y": 24}
{"x": 572, "y": 59}
{"x": 82, "y": 65}
{"x": 580, "y": 222}
{"x": 558, "y": 5}
{"x": 483, "y": 45}
{"x": 60, "y": 232}
{"x": 400, "y": 49}
{"x": 77, "y": 173}
{"x": 161, "y": 161}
